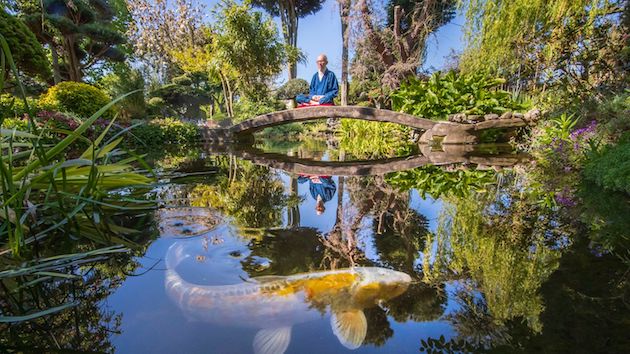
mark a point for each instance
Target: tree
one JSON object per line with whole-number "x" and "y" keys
{"x": 579, "y": 46}
{"x": 394, "y": 51}
{"x": 344, "y": 12}
{"x": 290, "y": 11}
{"x": 79, "y": 30}
{"x": 26, "y": 50}
{"x": 159, "y": 29}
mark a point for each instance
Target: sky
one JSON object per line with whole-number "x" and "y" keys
{"x": 321, "y": 33}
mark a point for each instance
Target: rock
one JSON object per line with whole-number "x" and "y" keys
{"x": 534, "y": 115}
{"x": 506, "y": 115}
{"x": 473, "y": 118}
{"x": 457, "y": 118}
{"x": 500, "y": 123}
{"x": 491, "y": 116}
{"x": 518, "y": 115}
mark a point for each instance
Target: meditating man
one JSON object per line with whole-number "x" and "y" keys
{"x": 324, "y": 86}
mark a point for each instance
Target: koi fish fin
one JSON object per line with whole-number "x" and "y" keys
{"x": 272, "y": 341}
{"x": 350, "y": 327}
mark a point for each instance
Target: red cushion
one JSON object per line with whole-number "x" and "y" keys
{"x": 302, "y": 105}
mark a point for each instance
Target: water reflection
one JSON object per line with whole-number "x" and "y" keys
{"x": 492, "y": 269}
{"x": 274, "y": 304}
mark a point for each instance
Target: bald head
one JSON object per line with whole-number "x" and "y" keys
{"x": 322, "y": 61}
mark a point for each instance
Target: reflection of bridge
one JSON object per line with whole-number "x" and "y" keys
{"x": 448, "y": 156}
{"x": 448, "y": 132}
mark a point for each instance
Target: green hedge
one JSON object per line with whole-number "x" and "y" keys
{"x": 163, "y": 131}
{"x": 75, "y": 97}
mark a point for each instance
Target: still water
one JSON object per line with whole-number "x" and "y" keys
{"x": 301, "y": 249}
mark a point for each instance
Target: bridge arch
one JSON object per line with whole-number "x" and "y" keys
{"x": 318, "y": 112}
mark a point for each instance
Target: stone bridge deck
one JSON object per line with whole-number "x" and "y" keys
{"x": 446, "y": 132}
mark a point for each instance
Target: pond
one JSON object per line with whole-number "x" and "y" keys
{"x": 297, "y": 248}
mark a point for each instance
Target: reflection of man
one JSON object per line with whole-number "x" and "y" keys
{"x": 324, "y": 86}
{"x": 322, "y": 189}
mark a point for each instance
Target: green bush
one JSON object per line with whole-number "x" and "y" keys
{"x": 15, "y": 123}
{"x": 452, "y": 93}
{"x": 610, "y": 167}
{"x": 292, "y": 88}
{"x": 163, "y": 131}
{"x": 11, "y": 106}
{"x": 245, "y": 109}
{"x": 75, "y": 97}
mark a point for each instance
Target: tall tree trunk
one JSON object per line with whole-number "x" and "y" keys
{"x": 289, "y": 20}
{"x": 344, "y": 9}
{"x": 55, "y": 64}
{"x": 72, "y": 60}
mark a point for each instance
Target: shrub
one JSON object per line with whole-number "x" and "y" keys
{"x": 20, "y": 124}
{"x": 452, "y": 93}
{"x": 163, "y": 131}
{"x": 610, "y": 167}
{"x": 292, "y": 88}
{"x": 245, "y": 109}
{"x": 11, "y": 106}
{"x": 75, "y": 97}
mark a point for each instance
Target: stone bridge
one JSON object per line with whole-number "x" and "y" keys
{"x": 445, "y": 131}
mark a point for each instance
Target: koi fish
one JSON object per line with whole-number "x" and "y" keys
{"x": 273, "y": 304}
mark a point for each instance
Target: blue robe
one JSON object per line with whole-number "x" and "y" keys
{"x": 326, "y": 189}
{"x": 327, "y": 86}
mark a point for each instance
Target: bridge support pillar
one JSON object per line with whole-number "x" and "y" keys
{"x": 449, "y": 133}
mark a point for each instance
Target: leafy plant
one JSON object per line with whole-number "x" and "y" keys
{"x": 451, "y": 93}
{"x": 75, "y": 97}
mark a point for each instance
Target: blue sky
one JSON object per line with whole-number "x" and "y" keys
{"x": 321, "y": 33}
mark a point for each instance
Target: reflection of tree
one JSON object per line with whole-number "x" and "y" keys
{"x": 84, "y": 328}
{"x": 379, "y": 330}
{"x": 251, "y": 194}
{"x": 587, "y": 307}
{"x": 291, "y": 251}
{"x": 419, "y": 303}
{"x": 501, "y": 243}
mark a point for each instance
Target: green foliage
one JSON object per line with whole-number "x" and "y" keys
{"x": 166, "y": 131}
{"x": 122, "y": 80}
{"x": 27, "y": 52}
{"x": 245, "y": 108}
{"x": 374, "y": 140}
{"x": 451, "y": 93}
{"x": 610, "y": 166}
{"x": 11, "y": 106}
{"x": 292, "y": 88}
{"x": 573, "y": 48}
{"x": 74, "y": 97}
{"x": 437, "y": 182}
